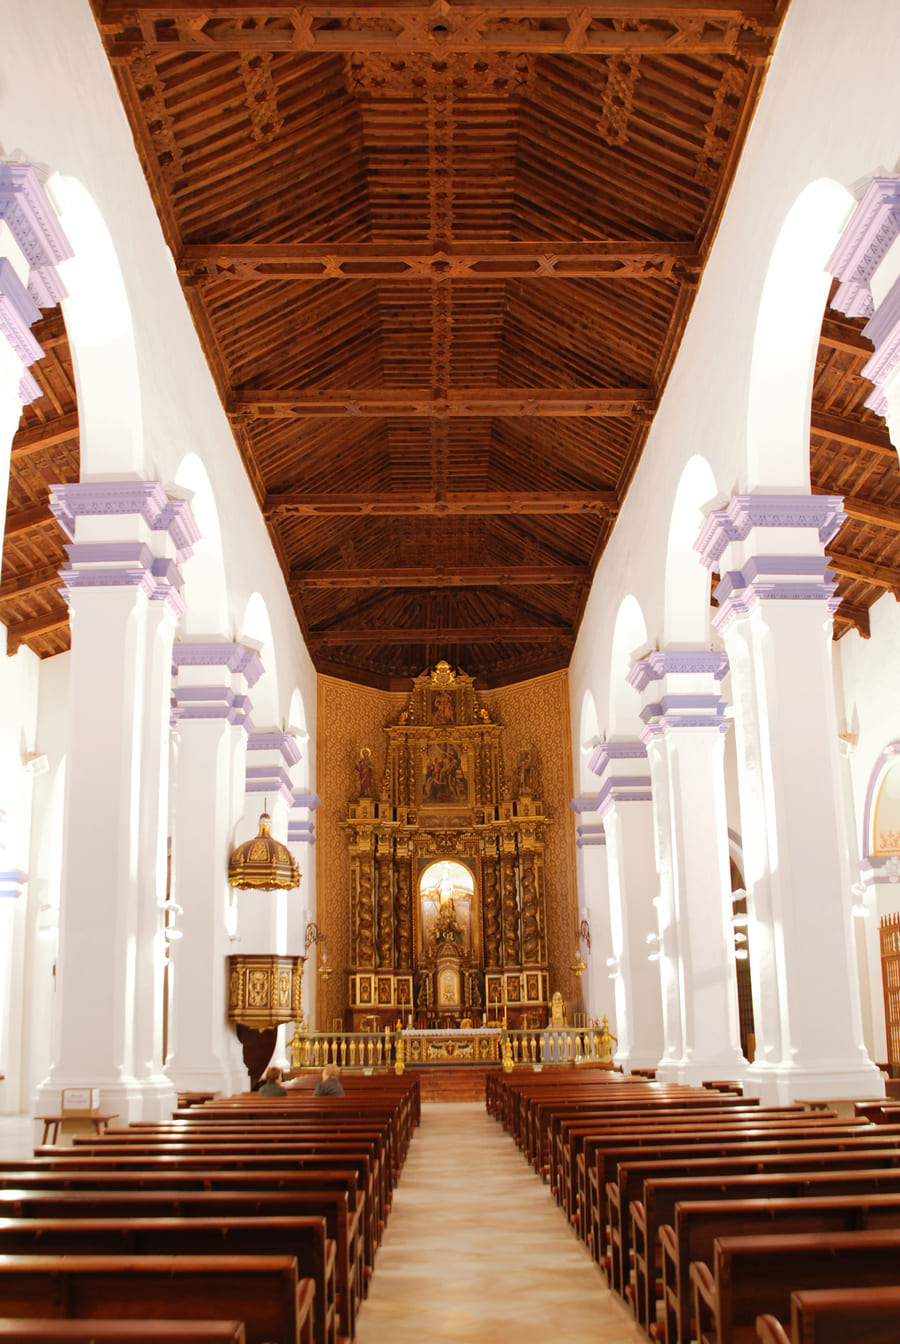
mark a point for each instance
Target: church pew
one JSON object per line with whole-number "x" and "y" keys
{"x": 275, "y": 1304}
{"x": 138, "y": 1234}
{"x": 571, "y": 1173}
{"x": 837, "y": 1316}
{"x": 606, "y": 1155}
{"x": 91, "y": 1194}
{"x": 699, "y": 1222}
{"x": 753, "y": 1276}
{"x": 625, "y": 1188}
{"x": 44, "y": 1330}
{"x": 236, "y": 1157}
{"x": 653, "y": 1216}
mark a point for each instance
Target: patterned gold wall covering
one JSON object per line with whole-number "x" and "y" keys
{"x": 536, "y": 717}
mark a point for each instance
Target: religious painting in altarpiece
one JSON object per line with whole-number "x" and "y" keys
{"x": 447, "y": 876}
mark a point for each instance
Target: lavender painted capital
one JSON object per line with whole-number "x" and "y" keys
{"x": 235, "y": 658}
{"x": 144, "y": 499}
{"x": 283, "y": 742}
{"x": 588, "y": 804}
{"x": 873, "y": 227}
{"x": 301, "y": 833}
{"x": 310, "y": 800}
{"x": 745, "y": 512}
{"x": 669, "y": 662}
{"x": 34, "y": 224}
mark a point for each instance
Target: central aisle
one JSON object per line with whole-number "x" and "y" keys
{"x": 476, "y": 1248}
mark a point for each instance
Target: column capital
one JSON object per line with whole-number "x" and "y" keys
{"x": 687, "y": 697}
{"x": 622, "y": 769}
{"x": 745, "y": 513}
{"x": 195, "y": 696}
{"x": 301, "y": 827}
{"x": 145, "y": 500}
{"x": 586, "y": 804}
{"x": 273, "y": 756}
{"x": 32, "y": 244}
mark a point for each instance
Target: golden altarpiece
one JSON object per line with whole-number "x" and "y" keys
{"x": 447, "y": 899}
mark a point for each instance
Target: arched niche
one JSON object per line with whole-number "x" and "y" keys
{"x": 686, "y": 610}
{"x": 256, "y": 632}
{"x": 787, "y": 337}
{"x": 588, "y": 738}
{"x": 100, "y": 329}
{"x": 881, "y": 817}
{"x": 447, "y": 888}
{"x": 205, "y": 595}
{"x": 629, "y": 638}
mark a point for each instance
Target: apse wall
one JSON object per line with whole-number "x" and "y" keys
{"x": 535, "y": 715}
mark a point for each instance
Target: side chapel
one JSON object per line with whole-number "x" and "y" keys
{"x": 447, "y": 884}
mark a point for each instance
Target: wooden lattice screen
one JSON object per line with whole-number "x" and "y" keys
{"x": 889, "y": 932}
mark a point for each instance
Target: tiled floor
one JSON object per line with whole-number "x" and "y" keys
{"x": 476, "y": 1249}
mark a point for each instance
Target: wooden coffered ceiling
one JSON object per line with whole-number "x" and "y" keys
{"x": 440, "y": 258}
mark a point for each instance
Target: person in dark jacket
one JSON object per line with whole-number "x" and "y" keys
{"x": 330, "y": 1084}
{"x": 271, "y": 1087}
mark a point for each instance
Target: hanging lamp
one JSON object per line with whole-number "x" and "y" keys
{"x": 263, "y": 864}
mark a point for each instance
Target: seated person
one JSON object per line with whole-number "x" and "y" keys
{"x": 330, "y": 1084}
{"x": 271, "y": 1086}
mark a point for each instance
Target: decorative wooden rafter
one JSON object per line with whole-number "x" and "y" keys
{"x": 854, "y": 616}
{"x": 21, "y": 585}
{"x": 20, "y": 632}
{"x": 639, "y": 28}
{"x": 469, "y": 576}
{"x": 501, "y": 634}
{"x": 37, "y": 438}
{"x": 869, "y": 437}
{"x": 405, "y": 503}
{"x": 882, "y": 576}
{"x": 200, "y": 263}
{"x": 403, "y": 402}
{"x": 38, "y": 515}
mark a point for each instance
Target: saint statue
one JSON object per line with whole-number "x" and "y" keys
{"x": 366, "y": 771}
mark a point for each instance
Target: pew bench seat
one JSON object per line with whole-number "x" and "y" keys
{"x": 47, "y": 1330}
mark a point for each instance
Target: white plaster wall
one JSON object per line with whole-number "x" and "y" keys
{"x": 19, "y": 679}
{"x": 59, "y": 109}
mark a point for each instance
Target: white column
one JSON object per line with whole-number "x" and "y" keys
{"x": 775, "y": 615}
{"x": 627, "y": 812}
{"x": 302, "y": 911}
{"x": 593, "y": 905}
{"x": 683, "y": 714}
{"x": 122, "y": 582}
{"x": 211, "y": 709}
{"x": 32, "y": 245}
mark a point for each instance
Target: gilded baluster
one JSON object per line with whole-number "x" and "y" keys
{"x": 343, "y": 1051}
{"x": 316, "y": 1053}
{"x": 533, "y": 1049}
{"x": 569, "y": 1051}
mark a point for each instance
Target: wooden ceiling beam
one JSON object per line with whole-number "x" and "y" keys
{"x": 47, "y": 434}
{"x": 469, "y": 576}
{"x": 857, "y": 616}
{"x": 849, "y": 567}
{"x": 202, "y": 263}
{"x": 871, "y": 438}
{"x": 716, "y": 27}
{"x": 402, "y": 504}
{"x": 865, "y": 511}
{"x": 404, "y": 402}
{"x": 37, "y": 515}
{"x": 843, "y": 335}
{"x": 442, "y": 635}
{"x": 20, "y": 632}
{"x": 20, "y": 585}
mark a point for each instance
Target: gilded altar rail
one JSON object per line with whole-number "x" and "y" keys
{"x": 548, "y": 1046}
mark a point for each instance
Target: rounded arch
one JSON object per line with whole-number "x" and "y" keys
{"x": 686, "y": 603}
{"x": 256, "y": 632}
{"x": 100, "y": 329}
{"x": 588, "y": 738}
{"x": 629, "y": 637}
{"x": 787, "y": 337}
{"x": 204, "y": 590}
{"x": 296, "y": 726}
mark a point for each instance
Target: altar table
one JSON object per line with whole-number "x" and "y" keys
{"x": 461, "y": 1045}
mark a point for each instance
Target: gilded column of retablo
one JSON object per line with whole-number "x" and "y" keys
{"x": 385, "y": 910}
{"x": 510, "y": 911}
{"x": 365, "y": 914}
{"x": 403, "y": 913}
{"x": 490, "y": 880}
{"x": 531, "y": 934}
